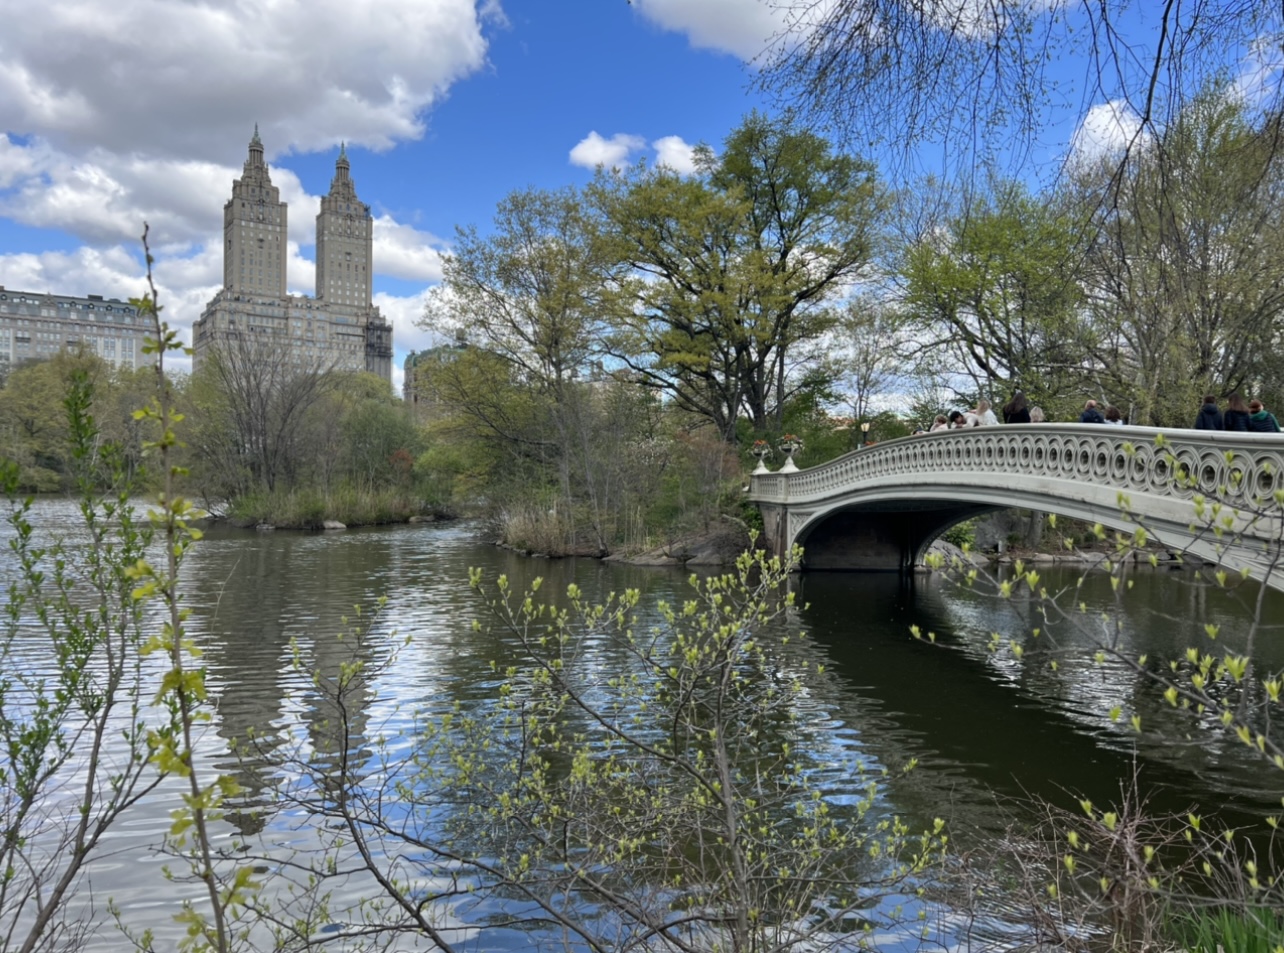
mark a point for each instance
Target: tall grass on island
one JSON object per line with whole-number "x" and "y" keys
{"x": 311, "y": 508}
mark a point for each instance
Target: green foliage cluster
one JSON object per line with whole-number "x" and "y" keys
{"x": 1143, "y": 281}
{"x": 34, "y": 428}
{"x": 292, "y": 446}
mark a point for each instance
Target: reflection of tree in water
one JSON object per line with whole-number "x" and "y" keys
{"x": 250, "y": 596}
{"x": 987, "y": 726}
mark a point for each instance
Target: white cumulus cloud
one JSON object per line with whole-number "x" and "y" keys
{"x": 402, "y": 251}
{"x": 676, "y": 153}
{"x": 593, "y": 150}
{"x": 1104, "y": 130}
{"x": 743, "y": 28}
{"x": 135, "y": 76}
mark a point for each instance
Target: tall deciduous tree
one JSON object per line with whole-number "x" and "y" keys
{"x": 254, "y": 399}
{"x": 868, "y": 351}
{"x": 993, "y": 293}
{"x": 529, "y": 291}
{"x": 1186, "y": 276}
{"x": 732, "y": 267}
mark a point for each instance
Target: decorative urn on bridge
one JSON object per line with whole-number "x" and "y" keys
{"x": 789, "y": 445}
{"x": 761, "y": 449}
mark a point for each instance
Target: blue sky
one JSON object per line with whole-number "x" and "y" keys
{"x": 116, "y": 111}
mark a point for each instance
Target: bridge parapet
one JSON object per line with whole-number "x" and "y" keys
{"x": 1114, "y": 475}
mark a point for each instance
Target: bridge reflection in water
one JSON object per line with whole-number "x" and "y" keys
{"x": 1217, "y": 496}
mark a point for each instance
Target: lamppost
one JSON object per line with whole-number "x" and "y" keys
{"x": 864, "y": 434}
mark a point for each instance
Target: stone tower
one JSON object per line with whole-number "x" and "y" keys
{"x": 345, "y": 242}
{"x": 254, "y": 230}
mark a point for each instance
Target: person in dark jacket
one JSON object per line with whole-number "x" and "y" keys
{"x": 1209, "y": 417}
{"x": 1091, "y": 415}
{"x": 1016, "y": 411}
{"x": 1235, "y": 416}
{"x": 1261, "y": 420}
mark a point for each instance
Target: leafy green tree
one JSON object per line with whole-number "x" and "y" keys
{"x": 560, "y": 431}
{"x": 732, "y": 269}
{"x": 33, "y": 420}
{"x": 530, "y": 291}
{"x": 1186, "y": 276}
{"x": 376, "y": 436}
{"x": 991, "y": 294}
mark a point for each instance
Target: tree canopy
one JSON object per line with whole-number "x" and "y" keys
{"x": 733, "y": 269}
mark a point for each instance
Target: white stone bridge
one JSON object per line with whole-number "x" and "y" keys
{"x": 881, "y": 506}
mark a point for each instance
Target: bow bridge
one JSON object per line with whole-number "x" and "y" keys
{"x": 880, "y": 507}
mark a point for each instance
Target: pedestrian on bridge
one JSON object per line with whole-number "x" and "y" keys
{"x": 1261, "y": 420}
{"x": 1235, "y": 416}
{"x": 1091, "y": 415}
{"x": 1209, "y": 417}
{"x": 1016, "y": 411}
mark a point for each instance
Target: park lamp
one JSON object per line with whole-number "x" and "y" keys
{"x": 864, "y": 433}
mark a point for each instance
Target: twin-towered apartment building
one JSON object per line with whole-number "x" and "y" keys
{"x": 339, "y": 328}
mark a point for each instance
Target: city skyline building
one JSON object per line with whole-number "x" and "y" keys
{"x": 37, "y": 325}
{"x": 340, "y": 328}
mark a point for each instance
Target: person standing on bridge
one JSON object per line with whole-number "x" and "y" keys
{"x": 984, "y": 415}
{"x": 1016, "y": 411}
{"x": 1235, "y": 416}
{"x": 1091, "y": 415}
{"x": 1209, "y": 417}
{"x": 1261, "y": 420}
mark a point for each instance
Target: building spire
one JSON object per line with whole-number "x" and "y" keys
{"x": 342, "y": 180}
{"x": 256, "y": 140}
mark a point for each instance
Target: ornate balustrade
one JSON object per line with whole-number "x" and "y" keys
{"x": 1114, "y": 475}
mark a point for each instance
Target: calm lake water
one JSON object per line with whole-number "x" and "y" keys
{"x": 986, "y": 729}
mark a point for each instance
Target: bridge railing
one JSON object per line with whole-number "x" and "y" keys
{"x": 1242, "y": 467}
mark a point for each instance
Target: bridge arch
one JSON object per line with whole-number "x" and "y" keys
{"x": 878, "y": 508}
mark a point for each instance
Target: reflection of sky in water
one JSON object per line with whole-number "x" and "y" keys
{"x": 981, "y": 725}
